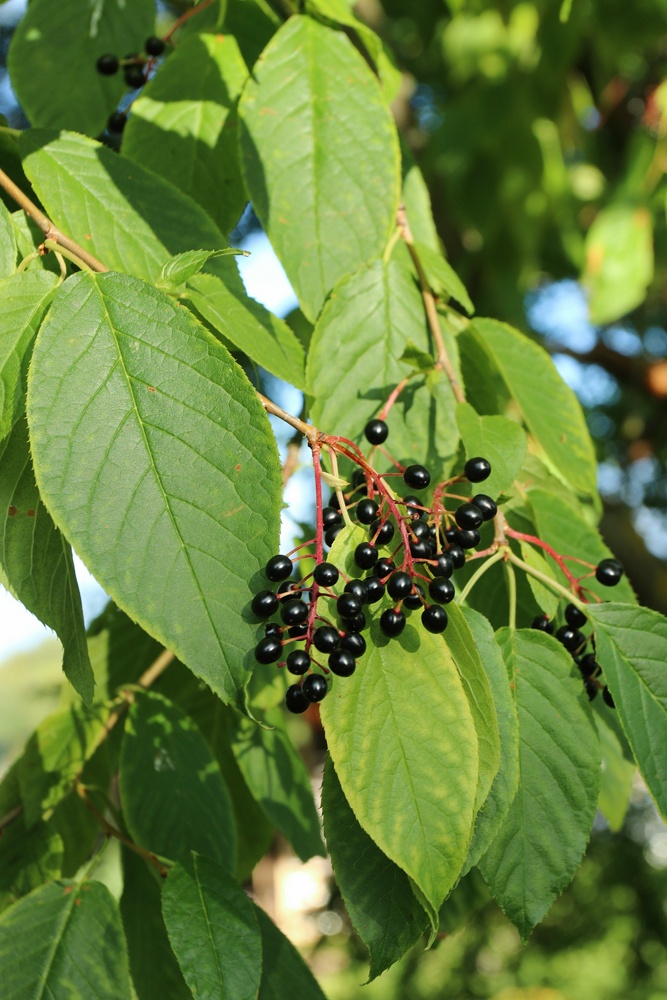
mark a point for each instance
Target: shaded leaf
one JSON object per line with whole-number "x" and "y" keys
{"x": 173, "y": 794}
{"x": 442, "y": 277}
{"x": 323, "y": 215}
{"x": 28, "y": 858}
{"x": 616, "y": 779}
{"x": 282, "y": 966}
{"x": 252, "y": 23}
{"x": 213, "y": 930}
{"x": 497, "y": 439}
{"x": 183, "y": 451}
{"x": 7, "y": 243}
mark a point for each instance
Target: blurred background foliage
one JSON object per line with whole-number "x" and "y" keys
{"x": 541, "y": 130}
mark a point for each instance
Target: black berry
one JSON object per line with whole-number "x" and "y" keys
{"x": 366, "y": 511}
{"x": 392, "y": 622}
{"x": 416, "y": 477}
{"x": 332, "y": 533}
{"x": 325, "y": 638}
{"x": 608, "y": 572}
{"x": 488, "y": 507}
{"x": 543, "y": 624}
{"x": 326, "y": 574}
{"x": 298, "y": 661}
{"x": 384, "y": 567}
{"x": 468, "y": 538}
{"x": 331, "y": 516}
{"x": 607, "y": 697}
{"x": 342, "y": 662}
{"x": 468, "y": 516}
{"x": 374, "y": 589}
{"x": 419, "y": 529}
{"x": 421, "y": 549}
{"x": 354, "y": 643}
{"x": 376, "y": 431}
{"x": 588, "y": 665}
{"x": 268, "y": 650}
{"x": 295, "y": 699}
{"x": 574, "y": 617}
{"x": 434, "y": 619}
{"x": 278, "y": 568}
{"x": 314, "y": 687}
{"x": 591, "y": 688}
{"x": 296, "y": 632}
{"x": 382, "y": 533}
{"x": 264, "y": 604}
{"x": 441, "y": 590}
{"x": 415, "y": 599}
{"x": 365, "y": 555}
{"x": 273, "y": 628}
{"x": 107, "y": 64}
{"x": 399, "y": 585}
{"x": 154, "y": 46}
{"x": 358, "y": 478}
{"x": 358, "y": 588}
{"x": 116, "y": 122}
{"x": 443, "y": 565}
{"x": 348, "y": 605}
{"x": 476, "y": 470}
{"x": 355, "y": 623}
{"x": 294, "y": 612}
{"x": 571, "y": 638}
{"x": 457, "y": 555}
{"x": 134, "y": 76}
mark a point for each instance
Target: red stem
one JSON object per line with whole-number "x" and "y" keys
{"x": 572, "y": 580}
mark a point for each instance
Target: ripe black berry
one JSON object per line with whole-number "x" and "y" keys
{"x": 415, "y": 599}
{"x": 419, "y": 530}
{"x": 588, "y": 665}
{"x": 434, "y": 619}
{"x": 332, "y": 533}
{"x": 295, "y": 699}
{"x": 331, "y": 516}
{"x": 468, "y": 516}
{"x": 134, "y": 76}
{"x": 382, "y": 534}
{"x": 296, "y": 632}
{"x": 488, "y": 507}
{"x": 367, "y": 511}
{"x": 607, "y": 697}
{"x": 376, "y": 431}
{"x": 441, "y": 590}
{"x": 326, "y": 574}
{"x": 374, "y": 589}
{"x": 273, "y": 628}
{"x": 443, "y": 565}
{"x": 298, "y": 661}
{"x": 358, "y": 588}
{"x": 571, "y": 638}
{"x": 468, "y": 538}
{"x": 278, "y": 568}
{"x": 392, "y": 622}
{"x": 476, "y": 470}
{"x": 608, "y": 572}
{"x": 268, "y": 650}
{"x": 314, "y": 687}
{"x": 355, "y": 623}
{"x": 543, "y": 624}
{"x": 116, "y": 122}
{"x": 591, "y": 688}
{"x": 421, "y": 549}
{"x": 107, "y": 64}
{"x": 399, "y": 585}
{"x": 358, "y": 478}
{"x": 325, "y": 638}
{"x": 264, "y": 604}
{"x": 348, "y": 605}
{"x": 574, "y": 617}
{"x": 154, "y": 46}
{"x": 354, "y": 643}
{"x": 365, "y": 555}
{"x": 457, "y": 555}
{"x": 294, "y": 612}
{"x": 416, "y": 477}
{"x": 413, "y": 506}
{"x": 342, "y": 662}
{"x": 383, "y": 568}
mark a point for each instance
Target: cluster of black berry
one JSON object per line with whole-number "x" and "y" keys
{"x": 134, "y": 71}
{"x": 424, "y": 541}
{"x": 608, "y": 572}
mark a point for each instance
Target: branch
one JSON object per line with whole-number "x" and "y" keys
{"x": 112, "y": 831}
{"x": 311, "y": 433}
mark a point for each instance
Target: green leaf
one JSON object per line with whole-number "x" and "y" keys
{"x": 545, "y": 597}
{"x": 442, "y": 277}
{"x": 544, "y": 835}
{"x": 278, "y": 780}
{"x": 497, "y": 803}
{"x": 616, "y": 779}
{"x": 417, "y": 806}
{"x": 282, "y": 966}
{"x": 28, "y": 858}
{"x": 183, "y": 451}
{"x": 631, "y": 646}
{"x": 246, "y": 324}
{"x": 182, "y": 266}
{"x": 184, "y": 124}
{"x": 54, "y": 756}
{"x": 64, "y": 940}
{"x": 377, "y": 893}
{"x": 417, "y": 200}
{"x": 213, "y": 930}
{"x": 7, "y": 243}
{"x": 497, "y": 439}
{"x": 174, "y": 798}
{"x": 462, "y": 646}
{"x": 28, "y": 238}
{"x": 420, "y": 360}
{"x": 53, "y": 53}
{"x": 367, "y": 323}
{"x": 23, "y": 301}
{"x": 532, "y": 379}
{"x": 36, "y": 562}
{"x": 619, "y": 260}
{"x": 324, "y": 215}
{"x": 569, "y": 534}
{"x": 155, "y": 972}
{"x": 252, "y": 23}
{"x": 208, "y": 19}
{"x": 463, "y": 903}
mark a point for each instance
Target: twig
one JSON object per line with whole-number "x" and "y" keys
{"x": 112, "y": 831}
{"x": 186, "y": 17}
{"x": 311, "y": 434}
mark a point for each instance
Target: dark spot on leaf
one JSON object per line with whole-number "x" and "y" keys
{"x": 30, "y": 512}
{"x": 12, "y": 510}
{"x": 151, "y": 389}
{"x": 237, "y": 468}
